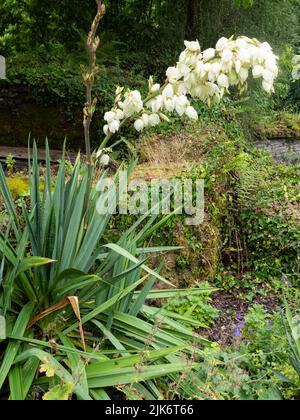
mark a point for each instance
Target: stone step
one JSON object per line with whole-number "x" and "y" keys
{"x": 21, "y": 154}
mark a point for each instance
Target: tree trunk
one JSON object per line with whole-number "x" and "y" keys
{"x": 193, "y": 17}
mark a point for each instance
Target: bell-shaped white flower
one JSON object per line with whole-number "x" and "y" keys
{"x": 227, "y": 55}
{"x": 145, "y": 119}
{"x": 155, "y": 88}
{"x": 266, "y": 46}
{"x": 222, "y": 44}
{"x": 238, "y": 66}
{"x": 227, "y": 66}
{"x": 114, "y": 126}
{"x": 119, "y": 114}
{"x": 209, "y": 54}
{"x": 242, "y": 43}
{"x": 207, "y": 67}
{"x": 154, "y": 120}
{"x": 268, "y": 76}
{"x": 271, "y": 65}
{"x": 104, "y": 160}
{"x": 258, "y": 54}
{"x": 157, "y": 104}
{"x": 133, "y": 103}
{"x": 170, "y": 104}
{"x": 192, "y": 45}
{"x": 181, "y": 103}
{"x": 183, "y": 57}
{"x": 200, "y": 69}
{"x": 192, "y": 61}
{"x": 191, "y": 80}
{"x": 136, "y": 95}
{"x": 184, "y": 69}
{"x": 191, "y": 113}
{"x": 106, "y": 129}
{"x": 109, "y": 116}
{"x": 243, "y": 74}
{"x": 173, "y": 74}
{"x": 216, "y": 67}
{"x": 223, "y": 81}
{"x": 214, "y": 71}
{"x": 244, "y": 56}
{"x": 257, "y": 71}
{"x": 268, "y": 87}
{"x": 168, "y": 92}
{"x": 139, "y": 125}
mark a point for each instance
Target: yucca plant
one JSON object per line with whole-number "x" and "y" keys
{"x": 292, "y": 327}
{"x": 73, "y": 313}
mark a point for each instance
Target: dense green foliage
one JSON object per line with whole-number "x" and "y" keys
{"x": 144, "y": 307}
{"x": 160, "y": 25}
{"x": 252, "y": 217}
{"x": 45, "y": 47}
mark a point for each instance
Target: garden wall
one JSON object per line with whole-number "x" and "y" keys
{"x": 21, "y": 115}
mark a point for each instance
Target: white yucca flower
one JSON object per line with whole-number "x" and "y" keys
{"x": 192, "y": 45}
{"x": 155, "y": 88}
{"x": 110, "y": 116}
{"x": 222, "y": 44}
{"x": 133, "y": 103}
{"x": 223, "y": 81}
{"x": 104, "y": 160}
{"x": 209, "y": 54}
{"x": 257, "y": 71}
{"x": 139, "y": 125}
{"x": 114, "y": 126}
{"x": 154, "y": 120}
{"x": 203, "y": 75}
{"x": 173, "y": 74}
{"x": 191, "y": 113}
{"x": 106, "y": 130}
{"x": 227, "y": 56}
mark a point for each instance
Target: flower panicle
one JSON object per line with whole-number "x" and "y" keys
{"x": 204, "y": 75}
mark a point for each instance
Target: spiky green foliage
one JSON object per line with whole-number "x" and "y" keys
{"x": 55, "y": 250}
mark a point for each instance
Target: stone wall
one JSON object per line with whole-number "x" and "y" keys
{"x": 22, "y": 114}
{"x": 282, "y": 149}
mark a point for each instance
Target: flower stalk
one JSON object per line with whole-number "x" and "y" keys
{"x": 93, "y": 42}
{"x": 128, "y": 119}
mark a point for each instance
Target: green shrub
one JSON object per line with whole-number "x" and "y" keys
{"x": 197, "y": 307}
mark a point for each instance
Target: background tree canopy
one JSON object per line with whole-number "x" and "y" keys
{"x": 144, "y": 31}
